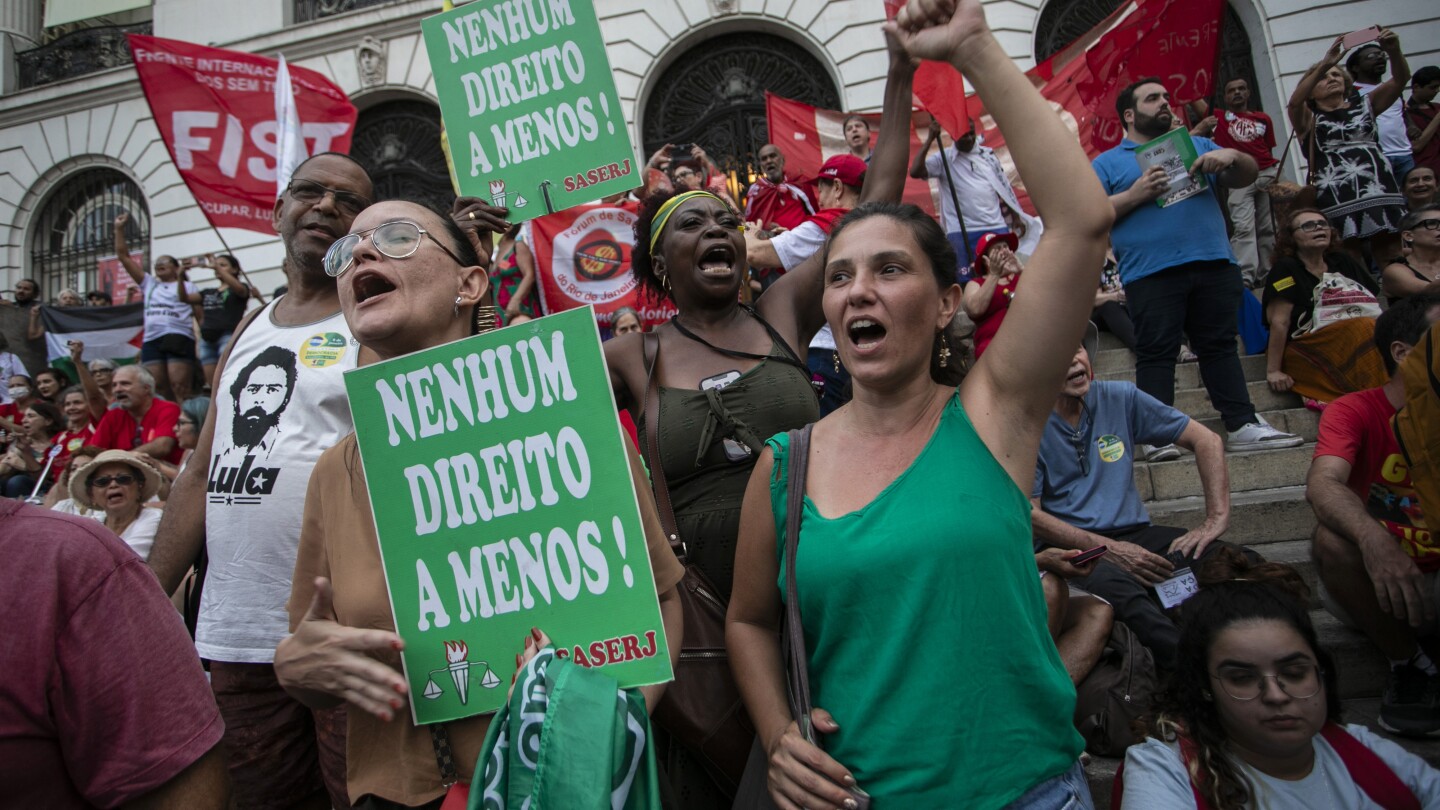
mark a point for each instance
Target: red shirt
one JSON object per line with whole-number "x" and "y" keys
{"x": 1356, "y": 427}
{"x": 69, "y": 441}
{"x": 118, "y": 431}
{"x": 1420, "y": 116}
{"x": 1250, "y": 132}
{"x": 787, "y": 204}
{"x": 103, "y": 698}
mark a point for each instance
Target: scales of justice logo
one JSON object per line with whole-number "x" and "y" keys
{"x": 457, "y": 664}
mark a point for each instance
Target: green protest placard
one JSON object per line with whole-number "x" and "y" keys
{"x": 503, "y": 500}
{"x": 529, "y": 103}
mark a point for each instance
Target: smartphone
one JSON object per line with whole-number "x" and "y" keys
{"x": 1087, "y": 556}
{"x": 1361, "y": 37}
{"x": 683, "y": 149}
{"x": 719, "y": 381}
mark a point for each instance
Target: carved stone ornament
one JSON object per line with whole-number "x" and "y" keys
{"x": 719, "y": 8}
{"x": 370, "y": 61}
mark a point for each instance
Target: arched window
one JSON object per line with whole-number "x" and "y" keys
{"x": 1064, "y": 21}
{"x": 72, "y": 243}
{"x": 396, "y": 142}
{"x": 714, "y": 95}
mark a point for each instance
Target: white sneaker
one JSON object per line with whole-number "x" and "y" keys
{"x": 1152, "y": 453}
{"x": 1259, "y": 435}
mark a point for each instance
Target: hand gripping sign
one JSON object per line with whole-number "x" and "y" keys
{"x": 529, "y": 102}
{"x": 503, "y": 500}
{"x": 216, "y": 113}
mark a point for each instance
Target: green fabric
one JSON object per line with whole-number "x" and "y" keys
{"x": 568, "y": 738}
{"x": 706, "y": 488}
{"x": 926, "y": 633}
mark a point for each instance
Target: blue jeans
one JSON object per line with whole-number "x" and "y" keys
{"x": 1201, "y": 300}
{"x": 1068, "y": 791}
{"x": 1400, "y": 164}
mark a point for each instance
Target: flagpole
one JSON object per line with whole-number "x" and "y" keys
{"x": 955, "y": 198}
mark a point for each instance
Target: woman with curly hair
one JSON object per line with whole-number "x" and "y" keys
{"x": 1252, "y": 720}
{"x": 1320, "y": 361}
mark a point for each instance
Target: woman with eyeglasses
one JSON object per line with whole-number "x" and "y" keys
{"x": 1252, "y": 720}
{"x": 187, "y": 434}
{"x": 1419, "y": 271}
{"x": 23, "y": 463}
{"x": 408, "y": 279}
{"x": 118, "y": 483}
{"x": 1312, "y": 352}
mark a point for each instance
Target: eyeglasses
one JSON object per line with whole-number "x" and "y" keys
{"x": 1427, "y": 224}
{"x": 1312, "y": 225}
{"x": 398, "y": 240}
{"x": 1299, "y": 681}
{"x": 684, "y": 173}
{"x": 123, "y": 479}
{"x": 307, "y": 192}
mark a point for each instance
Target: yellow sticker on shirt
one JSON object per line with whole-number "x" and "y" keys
{"x": 323, "y": 349}
{"x": 1284, "y": 283}
{"x": 1112, "y": 449}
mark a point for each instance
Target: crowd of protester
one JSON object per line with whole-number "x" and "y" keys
{"x": 959, "y": 641}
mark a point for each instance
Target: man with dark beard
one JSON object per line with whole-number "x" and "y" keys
{"x": 242, "y": 496}
{"x": 261, "y": 392}
{"x": 1178, "y": 270}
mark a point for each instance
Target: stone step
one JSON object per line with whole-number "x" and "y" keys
{"x": 1119, "y": 364}
{"x": 1258, "y": 469}
{"x": 1100, "y": 772}
{"x": 1196, "y": 401}
{"x": 1256, "y": 518}
{"x": 1300, "y": 421}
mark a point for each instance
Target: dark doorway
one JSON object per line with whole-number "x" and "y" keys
{"x": 398, "y": 144}
{"x": 714, "y": 95}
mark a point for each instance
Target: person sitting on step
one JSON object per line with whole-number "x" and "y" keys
{"x": 1376, "y": 557}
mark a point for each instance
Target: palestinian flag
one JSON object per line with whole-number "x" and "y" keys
{"x": 113, "y": 332}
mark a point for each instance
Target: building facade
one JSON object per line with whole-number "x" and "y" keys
{"x": 78, "y": 145}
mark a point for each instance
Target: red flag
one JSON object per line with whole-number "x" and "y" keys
{"x": 1177, "y": 40}
{"x": 216, "y": 113}
{"x": 938, "y": 87}
{"x": 808, "y": 136}
{"x": 582, "y": 256}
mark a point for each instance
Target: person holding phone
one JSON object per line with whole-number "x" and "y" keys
{"x": 222, "y": 307}
{"x": 1084, "y": 495}
{"x": 1337, "y": 124}
{"x": 933, "y": 675}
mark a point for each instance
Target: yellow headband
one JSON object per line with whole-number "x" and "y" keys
{"x": 657, "y": 225}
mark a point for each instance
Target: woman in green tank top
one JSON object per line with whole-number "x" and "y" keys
{"x": 934, "y": 677}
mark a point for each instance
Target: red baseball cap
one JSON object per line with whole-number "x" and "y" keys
{"x": 846, "y": 168}
{"x": 991, "y": 238}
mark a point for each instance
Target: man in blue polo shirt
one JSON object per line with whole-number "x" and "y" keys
{"x": 1179, "y": 274}
{"x": 1085, "y": 496}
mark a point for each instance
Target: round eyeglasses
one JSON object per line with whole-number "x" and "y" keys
{"x": 1299, "y": 681}
{"x": 398, "y": 239}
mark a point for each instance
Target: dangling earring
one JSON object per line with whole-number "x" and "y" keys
{"x": 455, "y": 313}
{"x": 665, "y": 282}
{"x": 944, "y": 350}
{"x": 835, "y": 355}
{"x": 486, "y": 318}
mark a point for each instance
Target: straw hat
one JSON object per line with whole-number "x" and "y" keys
{"x": 80, "y": 479}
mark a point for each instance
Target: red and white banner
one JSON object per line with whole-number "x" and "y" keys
{"x": 216, "y": 112}
{"x": 582, "y": 256}
{"x": 808, "y": 136}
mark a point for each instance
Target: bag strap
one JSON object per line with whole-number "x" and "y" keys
{"x": 797, "y": 669}
{"x": 1187, "y": 756}
{"x": 1284, "y": 153}
{"x": 651, "y": 348}
{"x": 1369, "y": 771}
{"x": 444, "y": 755}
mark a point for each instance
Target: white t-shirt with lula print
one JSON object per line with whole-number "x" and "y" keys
{"x": 166, "y": 312}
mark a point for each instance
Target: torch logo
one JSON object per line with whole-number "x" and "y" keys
{"x": 458, "y": 665}
{"x": 499, "y": 197}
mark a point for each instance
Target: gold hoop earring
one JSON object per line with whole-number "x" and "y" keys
{"x": 486, "y": 319}
{"x": 944, "y": 350}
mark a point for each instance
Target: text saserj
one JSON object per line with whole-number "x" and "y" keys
{"x": 529, "y": 103}
{"x": 503, "y": 500}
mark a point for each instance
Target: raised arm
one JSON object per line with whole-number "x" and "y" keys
{"x": 885, "y": 179}
{"x": 94, "y": 397}
{"x": 230, "y": 280}
{"x": 917, "y": 166}
{"x": 1388, "y": 92}
{"x": 1297, "y": 109}
{"x": 1012, "y": 389}
{"x": 122, "y": 251}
